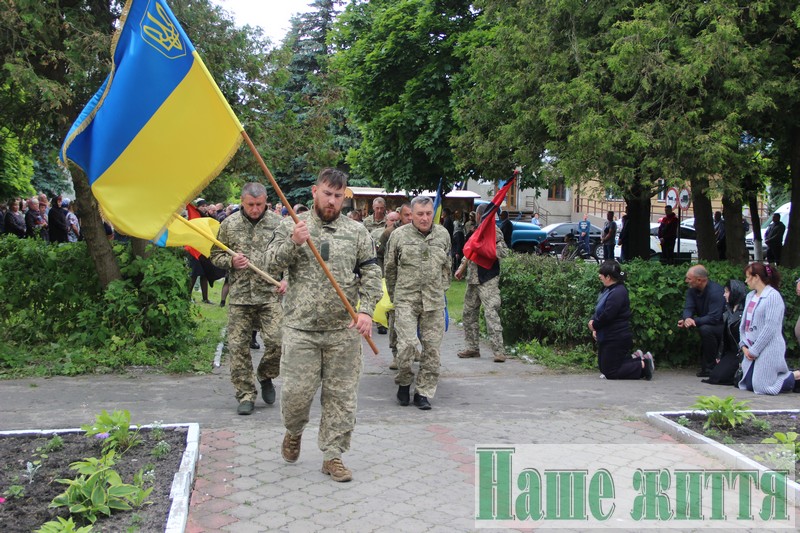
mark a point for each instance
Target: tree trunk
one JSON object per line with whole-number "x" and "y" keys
{"x": 735, "y": 250}
{"x": 92, "y": 230}
{"x": 637, "y": 203}
{"x": 703, "y": 220}
{"x": 790, "y": 257}
{"x": 139, "y": 247}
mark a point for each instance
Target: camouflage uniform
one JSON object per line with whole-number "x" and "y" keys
{"x": 417, "y": 276}
{"x": 318, "y": 347}
{"x": 488, "y": 294}
{"x": 371, "y": 224}
{"x": 253, "y": 303}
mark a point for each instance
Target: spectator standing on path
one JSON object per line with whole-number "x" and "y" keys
{"x": 506, "y": 227}
{"x": 774, "y": 239}
{"x": 74, "y": 225}
{"x": 447, "y": 222}
{"x": 704, "y": 307}
{"x": 417, "y": 266}
{"x": 764, "y": 366}
{"x": 458, "y": 240}
{"x": 321, "y": 344}
{"x": 609, "y": 236}
{"x": 15, "y": 220}
{"x": 44, "y": 212}
{"x": 584, "y": 229}
{"x": 253, "y": 304}
{"x": 611, "y": 327}
{"x": 667, "y": 235}
{"x": 35, "y": 227}
{"x": 719, "y": 233}
{"x": 378, "y": 217}
{"x": 483, "y": 287}
{"x": 57, "y": 221}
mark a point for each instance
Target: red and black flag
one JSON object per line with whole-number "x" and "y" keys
{"x": 481, "y": 247}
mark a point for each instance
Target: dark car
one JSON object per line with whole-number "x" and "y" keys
{"x": 556, "y": 233}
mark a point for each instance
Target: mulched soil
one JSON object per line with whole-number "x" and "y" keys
{"x": 29, "y": 512}
{"x": 747, "y": 433}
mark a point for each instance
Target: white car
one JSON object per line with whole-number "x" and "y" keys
{"x": 688, "y": 241}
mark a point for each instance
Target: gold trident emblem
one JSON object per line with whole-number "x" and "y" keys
{"x": 162, "y": 32}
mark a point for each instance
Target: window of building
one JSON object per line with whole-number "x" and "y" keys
{"x": 557, "y": 191}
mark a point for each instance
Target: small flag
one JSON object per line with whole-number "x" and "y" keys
{"x": 481, "y": 247}
{"x": 158, "y": 130}
{"x": 437, "y": 204}
{"x": 178, "y": 234}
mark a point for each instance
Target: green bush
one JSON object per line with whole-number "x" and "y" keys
{"x": 552, "y": 301}
{"x": 52, "y": 299}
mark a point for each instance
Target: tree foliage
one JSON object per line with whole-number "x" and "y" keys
{"x": 397, "y": 61}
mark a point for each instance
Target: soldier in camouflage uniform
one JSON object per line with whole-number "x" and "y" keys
{"x": 405, "y": 218}
{"x": 417, "y": 268}
{"x": 378, "y": 217}
{"x": 253, "y": 302}
{"x": 483, "y": 286}
{"x": 380, "y": 236}
{"x": 321, "y": 344}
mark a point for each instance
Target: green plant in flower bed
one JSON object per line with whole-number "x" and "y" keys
{"x": 788, "y": 441}
{"x": 115, "y": 431}
{"x": 63, "y": 526}
{"x": 723, "y": 413}
{"x": 98, "y": 490}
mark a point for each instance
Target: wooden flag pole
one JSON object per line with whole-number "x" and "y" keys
{"x": 230, "y": 252}
{"x": 313, "y": 248}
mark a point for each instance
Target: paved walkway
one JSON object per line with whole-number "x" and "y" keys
{"x": 413, "y": 470}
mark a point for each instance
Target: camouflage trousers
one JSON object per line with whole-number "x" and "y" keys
{"x": 409, "y": 318}
{"x": 333, "y": 360}
{"x": 242, "y": 321}
{"x": 392, "y": 333}
{"x": 487, "y": 294}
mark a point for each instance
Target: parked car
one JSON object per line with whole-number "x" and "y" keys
{"x": 749, "y": 239}
{"x": 688, "y": 241}
{"x": 526, "y": 237}
{"x": 557, "y": 232}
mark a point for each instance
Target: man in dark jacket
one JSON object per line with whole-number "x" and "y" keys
{"x": 774, "y": 239}
{"x": 667, "y": 235}
{"x": 705, "y": 304}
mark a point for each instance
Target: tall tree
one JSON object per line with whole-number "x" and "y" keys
{"x": 397, "y": 61}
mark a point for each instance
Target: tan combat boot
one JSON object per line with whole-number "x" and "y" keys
{"x": 466, "y": 354}
{"x": 290, "y": 449}
{"x": 336, "y": 469}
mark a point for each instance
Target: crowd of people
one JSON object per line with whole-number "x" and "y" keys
{"x": 39, "y": 217}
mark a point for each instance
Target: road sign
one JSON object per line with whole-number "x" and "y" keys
{"x": 672, "y": 196}
{"x": 684, "y": 198}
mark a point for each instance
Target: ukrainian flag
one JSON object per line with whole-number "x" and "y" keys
{"x": 158, "y": 130}
{"x": 437, "y": 204}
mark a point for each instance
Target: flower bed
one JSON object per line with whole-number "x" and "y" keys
{"x": 33, "y": 461}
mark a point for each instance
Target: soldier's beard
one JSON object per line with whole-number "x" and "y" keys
{"x": 327, "y": 214}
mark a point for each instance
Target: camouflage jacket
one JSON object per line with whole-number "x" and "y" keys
{"x": 417, "y": 266}
{"x": 311, "y": 303}
{"x": 372, "y": 225}
{"x": 472, "y": 268}
{"x": 241, "y": 235}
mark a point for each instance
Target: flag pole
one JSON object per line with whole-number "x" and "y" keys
{"x": 313, "y": 248}
{"x": 230, "y": 252}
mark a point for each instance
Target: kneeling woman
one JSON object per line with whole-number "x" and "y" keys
{"x": 611, "y": 327}
{"x": 761, "y": 334}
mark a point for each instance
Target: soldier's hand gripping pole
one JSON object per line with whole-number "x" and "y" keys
{"x": 311, "y": 246}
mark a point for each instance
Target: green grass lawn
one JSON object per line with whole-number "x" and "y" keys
{"x": 455, "y": 300}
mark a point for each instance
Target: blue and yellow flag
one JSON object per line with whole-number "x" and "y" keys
{"x": 158, "y": 130}
{"x": 437, "y": 204}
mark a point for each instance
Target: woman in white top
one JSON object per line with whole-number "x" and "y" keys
{"x": 761, "y": 334}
